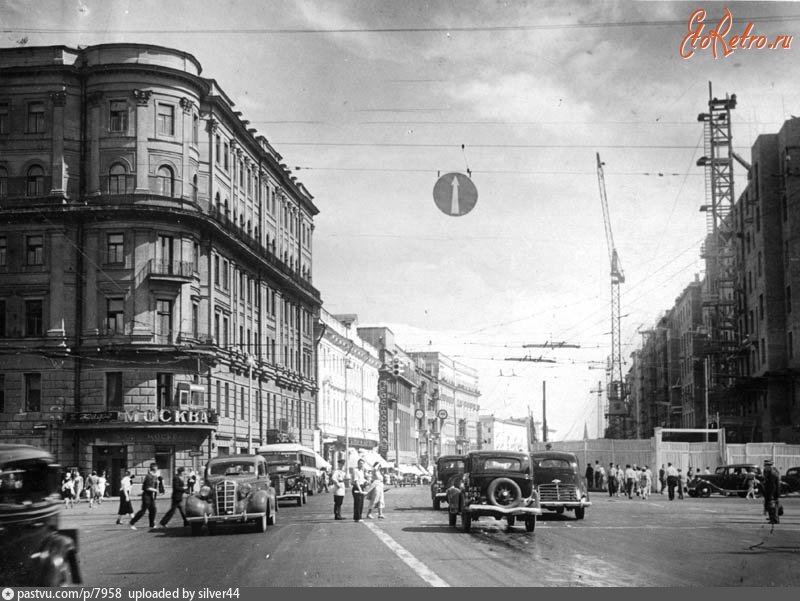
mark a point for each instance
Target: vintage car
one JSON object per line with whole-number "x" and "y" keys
{"x": 236, "y": 490}
{"x": 790, "y": 481}
{"x": 726, "y": 480}
{"x": 34, "y": 551}
{"x": 288, "y": 481}
{"x": 560, "y": 483}
{"x": 497, "y": 484}
{"x": 448, "y": 470}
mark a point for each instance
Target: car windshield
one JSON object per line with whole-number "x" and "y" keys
{"x": 232, "y": 468}
{"x": 23, "y": 481}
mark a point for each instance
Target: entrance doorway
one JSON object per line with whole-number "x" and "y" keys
{"x": 111, "y": 459}
{"x": 165, "y": 459}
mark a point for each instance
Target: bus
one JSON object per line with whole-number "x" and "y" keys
{"x": 298, "y": 454}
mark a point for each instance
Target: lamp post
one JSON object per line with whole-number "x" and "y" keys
{"x": 347, "y": 367}
{"x": 250, "y": 363}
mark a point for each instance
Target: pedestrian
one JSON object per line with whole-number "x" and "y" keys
{"x": 602, "y": 478}
{"x": 102, "y": 482}
{"x": 91, "y": 487}
{"x": 645, "y": 483}
{"x": 589, "y": 476}
{"x": 630, "y": 480}
{"x": 750, "y": 479}
{"x": 337, "y": 481}
{"x": 375, "y": 491}
{"x": 612, "y": 479}
{"x": 359, "y": 482}
{"x": 772, "y": 489}
{"x": 707, "y": 470}
{"x": 149, "y": 493}
{"x": 68, "y": 491}
{"x": 620, "y": 481}
{"x": 191, "y": 481}
{"x": 125, "y": 505}
{"x": 662, "y": 479}
{"x": 681, "y": 484}
{"x": 323, "y": 479}
{"x": 598, "y": 482}
{"x": 78, "y": 480}
{"x": 176, "y": 503}
{"x": 672, "y": 480}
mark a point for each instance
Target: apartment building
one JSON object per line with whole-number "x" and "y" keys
{"x": 156, "y": 295}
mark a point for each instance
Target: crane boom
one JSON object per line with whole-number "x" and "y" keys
{"x": 615, "y": 390}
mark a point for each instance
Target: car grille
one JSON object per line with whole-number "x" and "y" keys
{"x": 557, "y": 492}
{"x": 225, "y": 497}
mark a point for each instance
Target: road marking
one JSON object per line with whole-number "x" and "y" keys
{"x": 415, "y": 564}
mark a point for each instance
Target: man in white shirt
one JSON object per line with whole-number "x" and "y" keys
{"x": 337, "y": 479}
{"x": 359, "y": 482}
{"x": 672, "y": 480}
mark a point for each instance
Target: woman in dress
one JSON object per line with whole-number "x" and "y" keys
{"x": 375, "y": 492}
{"x": 125, "y": 506}
{"x": 68, "y": 491}
{"x": 100, "y": 491}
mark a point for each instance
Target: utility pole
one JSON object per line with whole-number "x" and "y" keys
{"x": 544, "y": 411}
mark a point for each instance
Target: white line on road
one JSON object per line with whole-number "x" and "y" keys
{"x": 415, "y": 564}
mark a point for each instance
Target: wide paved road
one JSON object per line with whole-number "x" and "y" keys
{"x": 695, "y": 542}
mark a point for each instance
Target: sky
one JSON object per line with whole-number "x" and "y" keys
{"x": 371, "y": 102}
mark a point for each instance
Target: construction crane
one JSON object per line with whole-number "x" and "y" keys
{"x": 615, "y": 389}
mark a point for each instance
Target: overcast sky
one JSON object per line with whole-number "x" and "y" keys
{"x": 370, "y": 102}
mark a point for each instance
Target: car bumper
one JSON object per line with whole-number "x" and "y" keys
{"x": 566, "y": 504}
{"x": 220, "y": 519}
{"x": 289, "y": 495}
{"x": 440, "y": 496}
{"x": 495, "y": 511}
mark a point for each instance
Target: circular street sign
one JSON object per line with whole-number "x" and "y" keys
{"x": 455, "y": 194}
{"x": 419, "y": 414}
{"x": 441, "y": 414}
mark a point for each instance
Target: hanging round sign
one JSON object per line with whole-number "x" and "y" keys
{"x": 441, "y": 414}
{"x": 455, "y": 194}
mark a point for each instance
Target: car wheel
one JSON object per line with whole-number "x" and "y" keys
{"x": 466, "y": 521}
{"x": 437, "y": 504}
{"x": 530, "y": 523}
{"x": 196, "y": 528}
{"x": 511, "y": 520}
{"x": 273, "y": 517}
{"x": 453, "y": 518}
{"x": 262, "y": 523}
{"x": 504, "y": 492}
{"x": 559, "y": 510}
{"x": 300, "y": 501}
{"x": 704, "y": 491}
{"x": 580, "y": 512}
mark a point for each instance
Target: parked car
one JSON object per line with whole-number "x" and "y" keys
{"x": 34, "y": 550}
{"x": 559, "y": 482}
{"x": 288, "y": 481}
{"x": 236, "y": 490}
{"x": 726, "y": 480}
{"x": 790, "y": 481}
{"x": 448, "y": 470}
{"x": 497, "y": 484}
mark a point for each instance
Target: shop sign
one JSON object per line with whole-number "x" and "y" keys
{"x": 149, "y": 416}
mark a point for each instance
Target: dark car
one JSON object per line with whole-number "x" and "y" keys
{"x": 448, "y": 471}
{"x": 497, "y": 484}
{"x": 726, "y": 480}
{"x": 288, "y": 481}
{"x": 790, "y": 481}
{"x": 34, "y": 551}
{"x": 560, "y": 483}
{"x": 236, "y": 490}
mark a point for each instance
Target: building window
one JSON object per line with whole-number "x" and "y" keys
{"x": 34, "y": 182}
{"x": 118, "y": 116}
{"x": 790, "y": 344}
{"x": 114, "y": 390}
{"x": 166, "y": 181}
{"x": 163, "y": 390}
{"x": 227, "y": 400}
{"x": 166, "y": 119}
{"x": 33, "y": 317}
{"x": 241, "y": 402}
{"x": 216, "y": 329}
{"x": 225, "y": 276}
{"x": 217, "y": 151}
{"x": 115, "y": 248}
{"x": 3, "y": 182}
{"x": 216, "y": 270}
{"x": 194, "y": 187}
{"x": 34, "y": 250}
{"x": 35, "y": 117}
{"x": 2, "y": 393}
{"x": 225, "y": 158}
{"x": 4, "y": 118}
{"x": 115, "y": 316}
{"x": 195, "y": 128}
{"x": 225, "y": 331}
{"x": 2, "y": 318}
{"x": 195, "y": 320}
{"x": 3, "y": 251}
{"x": 33, "y": 392}
{"x": 164, "y": 321}
{"x": 760, "y": 306}
{"x": 118, "y": 180}
{"x": 788, "y": 299}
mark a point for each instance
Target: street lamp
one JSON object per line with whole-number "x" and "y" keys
{"x": 250, "y": 363}
{"x": 347, "y": 366}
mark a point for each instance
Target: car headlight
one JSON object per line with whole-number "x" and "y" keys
{"x": 204, "y": 492}
{"x": 244, "y": 490}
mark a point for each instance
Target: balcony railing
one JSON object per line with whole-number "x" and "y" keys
{"x": 170, "y": 270}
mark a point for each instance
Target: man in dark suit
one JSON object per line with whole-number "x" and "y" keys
{"x": 178, "y": 490}
{"x": 149, "y": 492}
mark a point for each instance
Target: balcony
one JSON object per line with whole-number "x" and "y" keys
{"x": 177, "y": 272}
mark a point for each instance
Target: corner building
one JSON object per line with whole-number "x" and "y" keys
{"x": 156, "y": 301}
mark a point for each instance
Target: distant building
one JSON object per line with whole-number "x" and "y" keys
{"x": 507, "y": 434}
